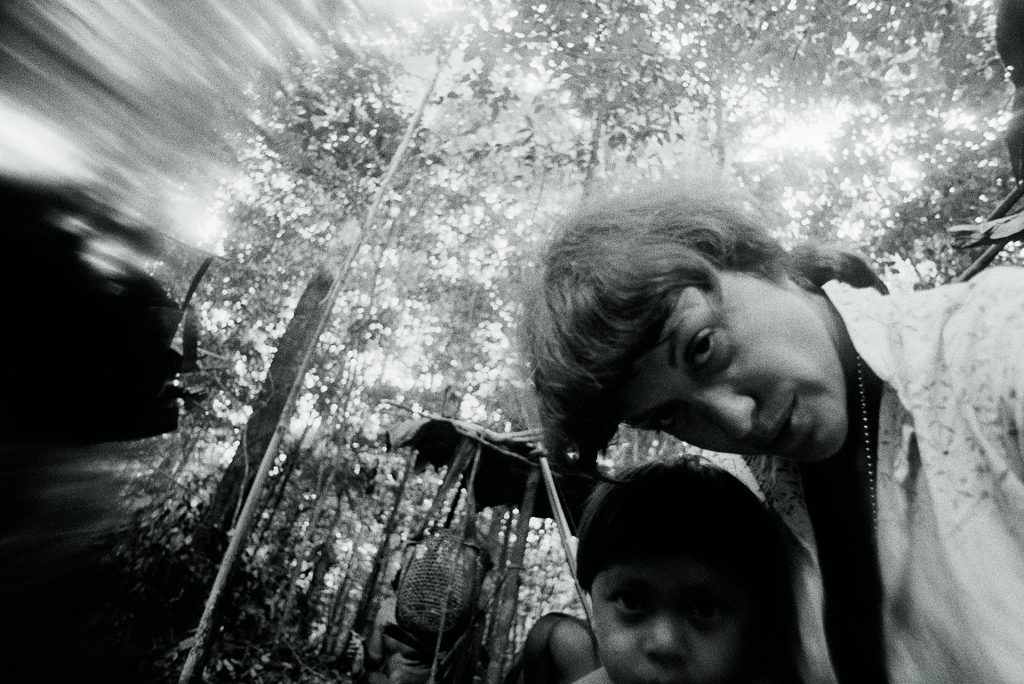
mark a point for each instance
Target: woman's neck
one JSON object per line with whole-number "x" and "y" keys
{"x": 837, "y": 332}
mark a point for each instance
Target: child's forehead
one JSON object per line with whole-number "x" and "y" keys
{"x": 668, "y": 573}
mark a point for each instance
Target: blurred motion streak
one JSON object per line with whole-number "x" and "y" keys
{"x": 109, "y": 114}
{"x": 146, "y": 91}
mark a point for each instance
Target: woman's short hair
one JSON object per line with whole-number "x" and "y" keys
{"x": 611, "y": 276}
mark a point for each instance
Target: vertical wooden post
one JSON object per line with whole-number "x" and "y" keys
{"x": 456, "y": 467}
{"x": 510, "y": 595}
{"x": 501, "y": 570}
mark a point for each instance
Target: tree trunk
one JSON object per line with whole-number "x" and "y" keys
{"x": 281, "y": 388}
{"x": 187, "y": 447}
{"x": 510, "y": 594}
{"x": 289, "y": 362}
{"x": 718, "y": 142}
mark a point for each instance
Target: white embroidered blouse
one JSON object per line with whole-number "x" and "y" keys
{"x": 950, "y": 473}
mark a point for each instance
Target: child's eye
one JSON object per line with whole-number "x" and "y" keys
{"x": 631, "y": 602}
{"x": 706, "y": 612}
{"x": 665, "y": 418}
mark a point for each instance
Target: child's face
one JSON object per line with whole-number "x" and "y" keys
{"x": 672, "y": 620}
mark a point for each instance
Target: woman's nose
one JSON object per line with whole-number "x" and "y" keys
{"x": 731, "y": 412}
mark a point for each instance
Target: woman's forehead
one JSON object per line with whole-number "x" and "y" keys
{"x": 691, "y": 302}
{"x": 683, "y": 306}
{"x": 656, "y": 372}
{"x": 692, "y": 305}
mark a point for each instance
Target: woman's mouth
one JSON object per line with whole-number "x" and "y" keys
{"x": 784, "y": 437}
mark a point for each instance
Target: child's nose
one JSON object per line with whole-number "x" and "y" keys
{"x": 666, "y": 641}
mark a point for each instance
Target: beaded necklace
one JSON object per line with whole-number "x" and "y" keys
{"x": 869, "y": 451}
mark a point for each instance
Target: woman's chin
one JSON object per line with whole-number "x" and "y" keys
{"x": 814, "y": 446}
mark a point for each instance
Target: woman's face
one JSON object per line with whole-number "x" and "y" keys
{"x": 672, "y": 620}
{"x": 758, "y": 372}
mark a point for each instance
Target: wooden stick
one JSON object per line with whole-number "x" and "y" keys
{"x": 563, "y": 533}
{"x": 197, "y": 654}
{"x": 986, "y": 257}
{"x": 203, "y": 636}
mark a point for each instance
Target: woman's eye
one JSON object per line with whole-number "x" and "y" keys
{"x": 701, "y": 348}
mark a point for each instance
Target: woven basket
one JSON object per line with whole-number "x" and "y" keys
{"x": 442, "y": 569}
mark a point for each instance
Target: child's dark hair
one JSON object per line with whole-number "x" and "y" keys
{"x": 613, "y": 273}
{"x": 687, "y": 506}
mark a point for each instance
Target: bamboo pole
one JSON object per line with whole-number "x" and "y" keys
{"x": 563, "y": 532}
{"x": 456, "y": 467}
{"x": 201, "y": 641}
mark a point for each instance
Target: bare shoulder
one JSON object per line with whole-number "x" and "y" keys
{"x": 571, "y": 633}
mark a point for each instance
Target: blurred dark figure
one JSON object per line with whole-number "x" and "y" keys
{"x": 85, "y": 362}
{"x": 1010, "y": 44}
{"x": 85, "y": 355}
